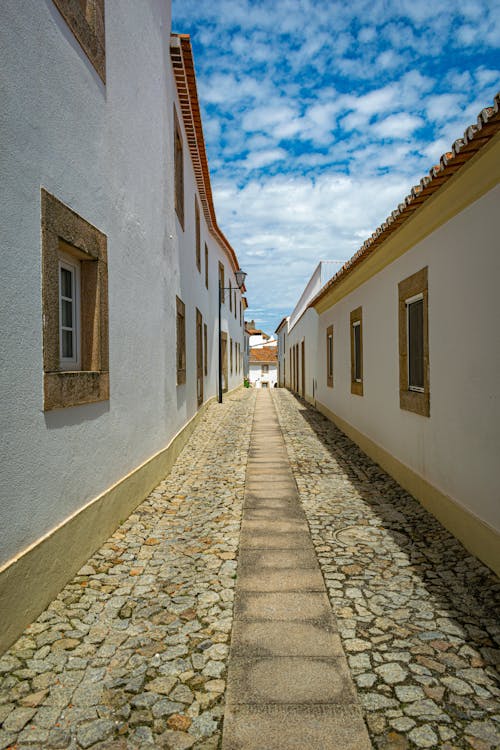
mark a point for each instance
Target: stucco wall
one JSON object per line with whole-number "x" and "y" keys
{"x": 256, "y": 376}
{"x": 106, "y": 152}
{"x": 456, "y": 449}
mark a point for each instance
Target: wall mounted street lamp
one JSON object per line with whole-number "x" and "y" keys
{"x": 240, "y": 280}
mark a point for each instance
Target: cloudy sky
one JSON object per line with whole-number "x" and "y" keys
{"x": 320, "y": 115}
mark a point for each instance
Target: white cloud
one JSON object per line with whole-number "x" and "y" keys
{"x": 320, "y": 116}
{"x": 397, "y": 126}
{"x": 257, "y": 159}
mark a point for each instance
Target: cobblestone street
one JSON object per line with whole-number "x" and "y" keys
{"x": 415, "y": 612}
{"x": 134, "y": 651}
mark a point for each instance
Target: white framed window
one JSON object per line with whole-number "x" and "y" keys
{"x": 415, "y": 342}
{"x": 69, "y": 313}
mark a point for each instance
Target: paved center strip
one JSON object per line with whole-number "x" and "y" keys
{"x": 288, "y": 682}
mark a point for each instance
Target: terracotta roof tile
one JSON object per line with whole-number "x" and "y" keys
{"x": 463, "y": 149}
{"x": 264, "y": 354}
{"x": 181, "y": 55}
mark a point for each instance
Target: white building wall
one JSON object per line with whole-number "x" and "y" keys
{"x": 456, "y": 449}
{"x": 107, "y": 153}
{"x": 257, "y": 376}
{"x": 306, "y": 331}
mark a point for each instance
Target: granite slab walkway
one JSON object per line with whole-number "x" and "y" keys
{"x": 288, "y": 680}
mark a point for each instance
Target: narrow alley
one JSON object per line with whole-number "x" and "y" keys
{"x": 351, "y": 602}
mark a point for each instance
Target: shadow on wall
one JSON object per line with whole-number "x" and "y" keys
{"x": 420, "y": 557}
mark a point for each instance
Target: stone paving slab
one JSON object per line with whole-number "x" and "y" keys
{"x": 307, "y": 579}
{"x": 275, "y": 540}
{"x": 288, "y": 606}
{"x": 278, "y": 559}
{"x": 284, "y": 679}
{"x": 273, "y": 639}
{"x": 418, "y": 616}
{"x": 292, "y": 727}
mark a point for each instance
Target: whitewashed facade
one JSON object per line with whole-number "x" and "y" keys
{"x": 435, "y": 428}
{"x": 100, "y": 142}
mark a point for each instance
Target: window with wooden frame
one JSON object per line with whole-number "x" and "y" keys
{"x": 85, "y": 19}
{"x": 205, "y": 349}
{"x": 222, "y": 282}
{"x": 181, "y": 341}
{"x": 75, "y": 308}
{"x": 329, "y": 356}
{"x": 197, "y": 234}
{"x": 414, "y": 390}
{"x": 265, "y": 369}
{"x": 178, "y": 170}
{"x": 206, "y": 265}
{"x": 357, "y": 351}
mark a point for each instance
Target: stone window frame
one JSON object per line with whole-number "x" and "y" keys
{"x": 417, "y": 402}
{"x": 329, "y": 356}
{"x": 197, "y": 234}
{"x": 86, "y": 23}
{"x": 180, "y": 341}
{"x": 64, "y": 231}
{"x": 356, "y": 319}
{"x": 178, "y": 170}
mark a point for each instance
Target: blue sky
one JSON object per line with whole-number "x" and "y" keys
{"x": 319, "y": 117}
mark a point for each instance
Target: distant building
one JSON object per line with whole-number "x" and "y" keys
{"x": 263, "y": 370}
{"x": 256, "y": 336}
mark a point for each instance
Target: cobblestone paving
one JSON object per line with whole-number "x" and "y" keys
{"x": 415, "y": 611}
{"x": 133, "y": 652}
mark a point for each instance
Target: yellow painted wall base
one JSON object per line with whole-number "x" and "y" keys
{"x": 30, "y": 581}
{"x": 476, "y": 536}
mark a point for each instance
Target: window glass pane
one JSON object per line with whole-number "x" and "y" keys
{"x": 67, "y": 344}
{"x": 416, "y": 344}
{"x": 67, "y": 313}
{"x": 357, "y": 353}
{"x": 66, "y": 283}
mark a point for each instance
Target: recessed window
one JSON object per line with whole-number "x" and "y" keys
{"x": 75, "y": 308}
{"x": 265, "y": 368}
{"x": 181, "y": 341}
{"x": 85, "y": 18}
{"x": 178, "y": 171}
{"x": 206, "y": 265}
{"x": 357, "y": 352}
{"x": 231, "y": 355}
{"x": 198, "y": 234}
{"x": 222, "y": 282}
{"x": 205, "y": 349}
{"x": 414, "y": 392}
{"x": 234, "y": 305}
{"x": 230, "y": 298}
{"x": 415, "y": 327}
{"x": 329, "y": 356}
